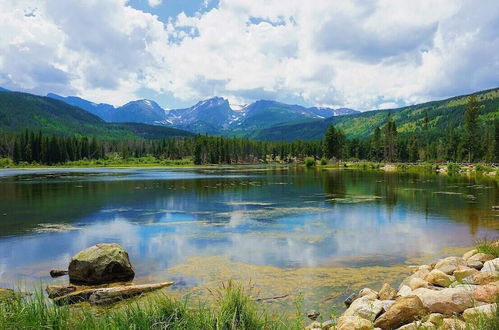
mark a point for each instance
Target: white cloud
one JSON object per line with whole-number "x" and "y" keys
{"x": 154, "y": 3}
{"x": 360, "y": 54}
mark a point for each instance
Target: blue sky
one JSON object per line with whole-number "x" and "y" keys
{"x": 358, "y": 54}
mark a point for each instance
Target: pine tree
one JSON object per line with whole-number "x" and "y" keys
{"x": 390, "y": 141}
{"x": 471, "y": 128}
{"x": 333, "y": 143}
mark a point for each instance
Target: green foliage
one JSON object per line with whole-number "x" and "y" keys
{"x": 6, "y": 162}
{"x": 488, "y": 247}
{"x": 232, "y": 309}
{"x": 309, "y": 162}
{"x": 333, "y": 143}
{"x": 433, "y": 119}
{"x": 324, "y": 161}
{"x": 20, "y": 111}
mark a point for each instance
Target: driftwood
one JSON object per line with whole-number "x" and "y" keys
{"x": 111, "y": 295}
{"x": 495, "y": 207}
{"x": 60, "y": 290}
{"x": 58, "y": 272}
{"x": 272, "y": 298}
{"x": 103, "y": 296}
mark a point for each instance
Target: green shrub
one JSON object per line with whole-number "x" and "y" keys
{"x": 324, "y": 161}
{"x": 309, "y": 162}
{"x": 488, "y": 247}
{"x": 6, "y": 162}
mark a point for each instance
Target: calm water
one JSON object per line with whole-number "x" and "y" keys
{"x": 262, "y": 224}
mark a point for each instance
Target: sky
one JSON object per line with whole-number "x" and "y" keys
{"x": 361, "y": 54}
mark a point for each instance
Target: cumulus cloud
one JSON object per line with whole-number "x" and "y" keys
{"x": 154, "y": 3}
{"x": 360, "y": 54}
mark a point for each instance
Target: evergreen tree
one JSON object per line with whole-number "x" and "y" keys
{"x": 333, "y": 143}
{"x": 471, "y": 128}
{"x": 390, "y": 140}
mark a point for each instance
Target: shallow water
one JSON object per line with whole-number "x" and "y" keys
{"x": 290, "y": 231}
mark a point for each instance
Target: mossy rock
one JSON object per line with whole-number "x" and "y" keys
{"x": 100, "y": 264}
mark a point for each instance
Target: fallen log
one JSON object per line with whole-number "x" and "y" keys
{"x": 59, "y": 290}
{"x": 58, "y": 272}
{"x": 103, "y": 296}
{"x": 272, "y": 298}
{"x": 111, "y": 295}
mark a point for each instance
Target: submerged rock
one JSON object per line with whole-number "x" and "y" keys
{"x": 313, "y": 315}
{"x": 99, "y": 264}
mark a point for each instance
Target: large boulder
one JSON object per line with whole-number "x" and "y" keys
{"x": 353, "y": 323}
{"x": 421, "y": 273}
{"x": 482, "y": 278}
{"x": 487, "y": 293}
{"x": 491, "y": 266}
{"x": 450, "y": 264}
{"x": 404, "y": 310}
{"x": 464, "y": 272}
{"x": 365, "y": 308}
{"x": 482, "y": 257}
{"x": 437, "y": 277}
{"x": 387, "y": 292}
{"x": 487, "y": 310}
{"x": 99, "y": 264}
{"x": 447, "y": 301}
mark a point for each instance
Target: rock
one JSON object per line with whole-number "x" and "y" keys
{"x": 487, "y": 310}
{"x": 491, "y": 266}
{"x": 469, "y": 254}
{"x": 418, "y": 325}
{"x": 101, "y": 263}
{"x": 416, "y": 283}
{"x": 366, "y": 292}
{"x": 353, "y": 323}
{"x": 365, "y": 307}
{"x": 58, "y": 272}
{"x": 387, "y": 292}
{"x": 320, "y": 326}
{"x": 435, "y": 318}
{"x": 462, "y": 273}
{"x": 446, "y": 301}
{"x": 350, "y": 299}
{"x": 475, "y": 264}
{"x": 313, "y": 315}
{"x": 452, "y": 324}
{"x": 413, "y": 269}
{"x": 482, "y": 278}
{"x": 387, "y": 304}
{"x": 313, "y": 326}
{"x": 437, "y": 277}
{"x": 404, "y": 291}
{"x": 404, "y": 310}
{"x": 6, "y": 294}
{"x": 421, "y": 273}
{"x": 449, "y": 264}
{"x": 60, "y": 290}
{"x": 487, "y": 293}
{"x": 482, "y": 257}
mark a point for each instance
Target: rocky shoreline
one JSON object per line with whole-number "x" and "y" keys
{"x": 447, "y": 295}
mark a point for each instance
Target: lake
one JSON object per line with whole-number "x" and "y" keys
{"x": 311, "y": 234}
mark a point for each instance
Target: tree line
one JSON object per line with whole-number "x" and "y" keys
{"x": 473, "y": 141}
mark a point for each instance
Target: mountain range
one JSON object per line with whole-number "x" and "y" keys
{"x": 261, "y": 120}
{"x": 21, "y": 111}
{"x": 213, "y": 116}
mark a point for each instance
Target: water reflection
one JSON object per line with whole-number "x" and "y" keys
{"x": 282, "y": 217}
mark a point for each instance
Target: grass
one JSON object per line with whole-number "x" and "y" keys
{"x": 488, "y": 247}
{"x": 232, "y": 309}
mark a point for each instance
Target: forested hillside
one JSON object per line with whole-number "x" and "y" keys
{"x": 442, "y": 116}
{"x": 20, "y": 111}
